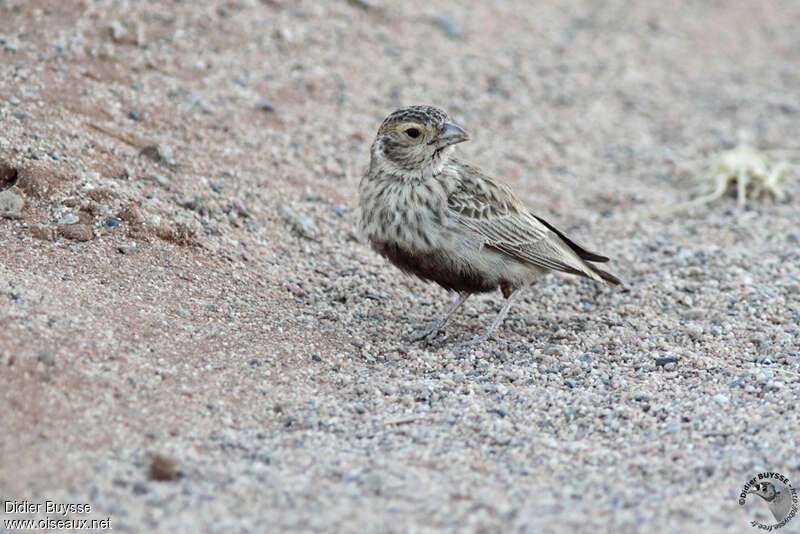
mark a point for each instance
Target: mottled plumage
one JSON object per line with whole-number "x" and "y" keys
{"x": 447, "y": 222}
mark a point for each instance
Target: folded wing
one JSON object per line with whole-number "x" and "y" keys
{"x": 492, "y": 211}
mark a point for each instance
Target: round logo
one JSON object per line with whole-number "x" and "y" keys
{"x": 774, "y": 492}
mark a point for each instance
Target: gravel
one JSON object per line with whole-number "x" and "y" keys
{"x": 591, "y": 409}
{"x": 11, "y": 204}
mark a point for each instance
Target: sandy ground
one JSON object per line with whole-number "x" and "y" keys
{"x": 208, "y": 301}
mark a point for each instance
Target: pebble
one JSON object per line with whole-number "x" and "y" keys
{"x": 295, "y": 290}
{"x": 117, "y": 31}
{"x": 695, "y": 332}
{"x": 695, "y": 314}
{"x": 664, "y": 361}
{"x": 133, "y": 115}
{"x": 265, "y": 105}
{"x": 69, "y": 218}
{"x": 11, "y": 204}
{"x": 302, "y": 224}
{"x": 11, "y": 47}
{"x": 42, "y": 232}
{"x": 721, "y": 399}
{"x": 163, "y": 468}
{"x": 111, "y": 222}
{"x": 159, "y": 153}
{"x": 448, "y": 24}
{"x": 162, "y": 181}
{"x": 553, "y": 350}
{"x": 127, "y": 248}
{"x": 46, "y": 358}
{"x": 14, "y": 101}
{"x": 77, "y": 232}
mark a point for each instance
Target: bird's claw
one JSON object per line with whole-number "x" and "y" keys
{"x": 426, "y": 335}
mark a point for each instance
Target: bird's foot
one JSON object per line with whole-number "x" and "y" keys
{"x": 427, "y": 335}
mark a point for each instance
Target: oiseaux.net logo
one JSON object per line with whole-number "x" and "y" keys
{"x": 773, "y": 491}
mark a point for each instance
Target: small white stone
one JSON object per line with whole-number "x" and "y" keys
{"x": 721, "y": 399}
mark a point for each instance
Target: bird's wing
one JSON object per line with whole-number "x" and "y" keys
{"x": 494, "y": 212}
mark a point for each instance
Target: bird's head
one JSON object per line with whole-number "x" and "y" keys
{"x": 765, "y": 490}
{"x": 415, "y": 141}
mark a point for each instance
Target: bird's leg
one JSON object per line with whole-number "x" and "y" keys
{"x": 510, "y": 296}
{"x": 428, "y": 333}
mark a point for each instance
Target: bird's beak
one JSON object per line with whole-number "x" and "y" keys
{"x": 450, "y": 135}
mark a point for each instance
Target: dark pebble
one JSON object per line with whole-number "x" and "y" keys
{"x": 163, "y": 468}
{"x": 140, "y": 489}
{"x": 338, "y": 211}
{"x": 20, "y": 115}
{"x": 316, "y": 358}
{"x": 255, "y": 363}
{"x": 499, "y": 411}
{"x": 664, "y": 361}
{"x": 111, "y": 222}
{"x": 216, "y": 188}
{"x": 47, "y": 358}
{"x": 265, "y": 105}
{"x": 133, "y": 115}
{"x": 55, "y": 156}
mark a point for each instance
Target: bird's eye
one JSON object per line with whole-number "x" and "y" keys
{"x": 413, "y": 133}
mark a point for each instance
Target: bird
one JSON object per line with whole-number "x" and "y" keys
{"x": 445, "y": 221}
{"x": 779, "y": 501}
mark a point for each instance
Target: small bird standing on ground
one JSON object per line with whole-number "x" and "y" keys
{"x": 447, "y": 222}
